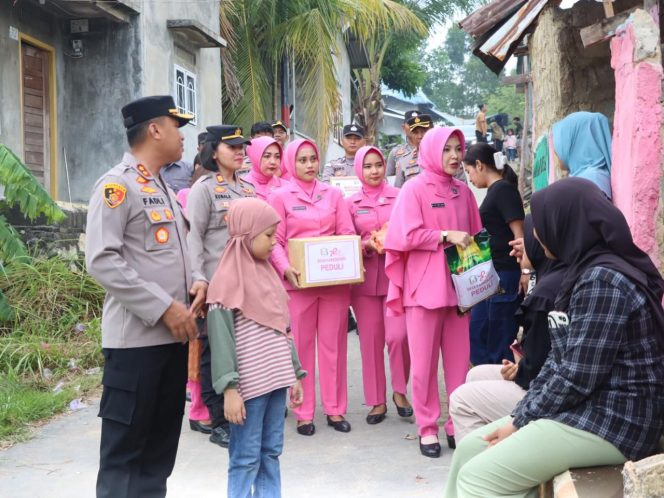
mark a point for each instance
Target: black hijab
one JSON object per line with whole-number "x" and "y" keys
{"x": 549, "y": 273}
{"x": 579, "y": 225}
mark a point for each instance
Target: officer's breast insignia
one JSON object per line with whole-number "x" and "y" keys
{"x": 220, "y": 179}
{"x": 155, "y": 216}
{"x": 220, "y": 190}
{"x": 247, "y": 190}
{"x": 225, "y": 204}
{"x": 168, "y": 214}
{"x": 143, "y": 171}
{"x": 141, "y": 180}
{"x": 149, "y": 190}
{"x": 399, "y": 151}
{"x": 162, "y": 235}
{"x": 114, "y": 194}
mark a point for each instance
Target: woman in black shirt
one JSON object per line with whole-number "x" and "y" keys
{"x": 492, "y": 324}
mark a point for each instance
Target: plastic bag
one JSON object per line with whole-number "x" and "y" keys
{"x": 473, "y": 274}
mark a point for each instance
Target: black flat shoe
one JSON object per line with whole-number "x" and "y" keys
{"x": 196, "y": 425}
{"x": 451, "y": 443}
{"x": 220, "y": 437}
{"x": 306, "y": 429}
{"x": 403, "y": 412}
{"x": 339, "y": 425}
{"x": 376, "y": 418}
{"x": 430, "y": 450}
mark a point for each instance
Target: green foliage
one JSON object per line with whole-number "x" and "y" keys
{"x": 506, "y": 100}
{"x": 457, "y": 81}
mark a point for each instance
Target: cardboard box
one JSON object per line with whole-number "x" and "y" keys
{"x": 349, "y": 185}
{"x": 324, "y": 261}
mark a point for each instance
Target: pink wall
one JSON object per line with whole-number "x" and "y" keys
{"x": 637, "y": 146}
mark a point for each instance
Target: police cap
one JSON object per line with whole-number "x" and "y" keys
{"x": 147, "y": 108}
{"x": 228, "y": 134}
{"x": 353, "y": 129}
{"x": 279, "y": 123}
{"x": 419, "y": 121}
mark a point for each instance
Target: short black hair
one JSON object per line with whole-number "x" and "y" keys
{"x": 138, "y": 133}
{"x": 516, "y": 118}
{"x": 479, "y": 106}
{"x": 201, "y": 137}
{"x": 261, "y": 127}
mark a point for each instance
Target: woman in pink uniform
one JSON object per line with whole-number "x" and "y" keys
{"x": 432, "y": 211}
{"x": 371, "y": 209}
{"x": 319, "y": 316}
{"x": 265, "y": 154}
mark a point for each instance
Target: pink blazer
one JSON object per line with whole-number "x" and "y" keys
{"x": 369, "y": 215}
{"x": 415, "y": 262}
{"x": 325, "y": 213}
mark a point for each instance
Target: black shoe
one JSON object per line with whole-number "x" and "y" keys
{"x": 376, "y": 418}
{"x": 198, "y": 426}
{"x": 220, "y": 436}
{"x": 403, "y": 412}
{"x": 339, "y": 425}
{"x": 188, "y": 397}
{"x": 451, "y": 443}
{"x": 306, "y": 429}
{"x": 430, "y": 450}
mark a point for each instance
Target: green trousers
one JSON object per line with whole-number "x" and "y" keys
{"x": 515, "y": 466}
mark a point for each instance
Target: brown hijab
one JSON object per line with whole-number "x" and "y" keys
{"x": 242, "y": 281}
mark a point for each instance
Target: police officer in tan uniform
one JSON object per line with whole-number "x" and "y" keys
{"x": 400, "y": 150}
{"x": 136, "y": 249}
{"x": 207, "y": 208}
{"x": 353, "y": 139}
{"x": 406, "y": 165}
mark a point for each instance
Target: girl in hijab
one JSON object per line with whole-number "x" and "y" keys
{"x": 265, "y": 154}
{"x": 582, "y": 148}
{"x": 433, "y": 211}
{"x": 253, "y": 359}
{"x": 492, "y": 324}
{"x": 492, "y": 391}
{"x": 599, "y": 398}
{"x": 371, "y": 209}
{"x": 319, "y": 316}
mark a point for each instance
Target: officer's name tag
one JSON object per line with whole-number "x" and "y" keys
{"x": 299, "y": 208}
{"x": 222, "y": 196}
{"x": 151, "y": 201}
{"x": 362, "y": 211}
{"x": 437, "y": 204}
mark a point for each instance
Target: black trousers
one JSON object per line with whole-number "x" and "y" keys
{"x": 142, "y": 405}
{"x": 479, "y": 136}
{"x": 213, "y": 401}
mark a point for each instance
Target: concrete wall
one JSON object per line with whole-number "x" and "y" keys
{"x": 342, "y": 63}
{"x": 120, "y": 62}
{"x": 637, "y": 145}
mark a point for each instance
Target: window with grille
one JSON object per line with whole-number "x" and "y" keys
{"x": 185, "y": 92}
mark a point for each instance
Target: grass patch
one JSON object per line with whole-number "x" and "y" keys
{"x": 48, "y": 341}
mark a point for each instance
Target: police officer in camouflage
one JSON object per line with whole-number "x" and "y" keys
{"x": 406, "y": 165}
{"x": 352, "y": 140}
{"x": 136, "y": 249}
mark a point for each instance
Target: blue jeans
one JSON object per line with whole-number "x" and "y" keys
{"x": 511, "y": 154}
{"x": 255, "y": 448}
{"x": 492, "y": 324}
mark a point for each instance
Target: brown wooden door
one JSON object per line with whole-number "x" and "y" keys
{"x": 36, "y": 112}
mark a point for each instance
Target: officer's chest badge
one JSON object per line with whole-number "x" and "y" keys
{"x": 248, "y": 191}
{"x": 162, "y": 235}
{"x": 155, "y": 216}
{"x": 220, "y": 190}
{"x": 141, "y": 180}
{"x": 220, "y": 179}
{"x": 168, "y": 214}
{"x": 149, "y": 190}
{"x": 143, "y": 171}
{"x": 114, "y": 194}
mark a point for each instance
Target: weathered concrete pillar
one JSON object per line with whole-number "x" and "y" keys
{"x": 636, "y": 169}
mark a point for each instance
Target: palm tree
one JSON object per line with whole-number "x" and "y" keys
{"x": 264, "y": 34}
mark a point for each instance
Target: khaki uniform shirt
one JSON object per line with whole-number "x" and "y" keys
{"x": 342, "y": 166}
{"x": 207, "y": 207}
{"x": 407, "y": 168}
{"x": 396, "y": 153}
{"x": 136, "y": 249}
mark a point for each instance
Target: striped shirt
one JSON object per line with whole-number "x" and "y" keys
{"x": 605, "y": 372}
{"x": 263, "y": 356}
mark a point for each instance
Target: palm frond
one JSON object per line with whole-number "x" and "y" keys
{"x": 11, "y": 246}
{"x": 22, "y": 188}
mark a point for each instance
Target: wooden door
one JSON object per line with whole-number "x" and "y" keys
{"x": 36, "y": 112}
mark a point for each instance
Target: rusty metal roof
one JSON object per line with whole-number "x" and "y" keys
{"x": 499, "y": 27}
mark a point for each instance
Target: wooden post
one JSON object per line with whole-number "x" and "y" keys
{"x": 608, "y": 8}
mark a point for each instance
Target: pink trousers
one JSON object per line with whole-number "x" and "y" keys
{"x": 319, "y": 321}
{"x": 375, "y": 331}
{"x": 431, "y": 332}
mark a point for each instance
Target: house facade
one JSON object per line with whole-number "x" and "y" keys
{"x": 69, "y": 66}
